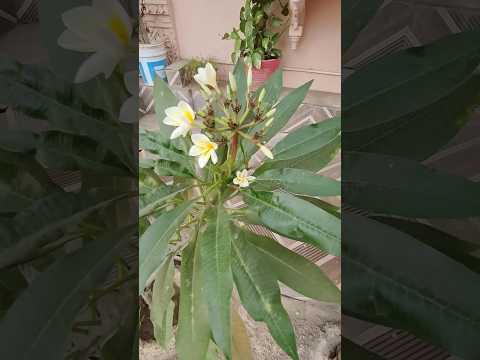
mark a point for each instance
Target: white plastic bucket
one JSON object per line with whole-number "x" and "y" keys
{"x": 152, "y": 60}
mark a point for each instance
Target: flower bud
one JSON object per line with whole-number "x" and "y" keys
{"x": 249, "y": 77}
{"x": 233, "y": 82}
{"x": 266, "y": 151}
{"x": 262, "y": 95}
{"x": 269, "y": 122}
{"x": 270, "y": 113}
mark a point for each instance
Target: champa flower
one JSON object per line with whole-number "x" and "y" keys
{"x": 129, "y": 109}
{"x": 104, "y": 29}
{"x": 243, "y": 179}
{"x": 182, "y": 117}
{"x": 204, "y": 148}
{"x": 207, "y": 78}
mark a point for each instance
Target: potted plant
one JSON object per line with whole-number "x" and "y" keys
{"x": 262, "y": 22}
{"x": 152, "y": 58}
{"x": 196, "y": 248}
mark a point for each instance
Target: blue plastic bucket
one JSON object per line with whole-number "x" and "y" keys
{"x": 152, "y": 62}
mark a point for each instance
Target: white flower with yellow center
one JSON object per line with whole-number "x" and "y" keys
{"x": 204, "y": 148}
{"x": 104, "y": 29}
{"x": 243, "y": 179}
{"x": 207, "y": 78}
{"x": 182, "y": 117}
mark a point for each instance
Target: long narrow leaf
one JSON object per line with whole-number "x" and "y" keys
{"x": 395, "y": 280}
{"x": 311, "y": 148}
{"x": 44, "y": 313}
{"x": 285, "y": 110}
{"x": 295, "y": 218}
{"x": 260, "y": 295}
{"x": 161, "y": 302}
{"x": 294, "y": 270}
{"x": 48, "y": 214}
{"x": 154, "y": 242}
{"x": 215, "y": 252}
{"x": 40, "y": 94}
{"x": 377, "y": 183}
{"x": 158, "y": 196}
{"x": 193, "y": 334}
{"x": 298, "y": 181}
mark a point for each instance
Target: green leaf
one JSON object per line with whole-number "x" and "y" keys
{"x": 11, "y": 200}
{"x": 46, "y": 215}
{"x": 298, "y": 181}
{"x": 395, "y": 280}
{"x": 276, "y": 22}
{"x": 331, "y": 209}
{"x": 257, "y": 60}
{"x": 161, "y": 307}
{"x": 18, "y": 140}
{"x": 171, "y": 152}
{"x": 285, "y": 110}
{"x": 12, "y": 283}
{"x": 260, "y": 294}
{"x": 26, "y": 162}
{"x": 124, "y": 344}
{"x": 45, "y": 312}
{"x": 455, "y": 248}
{"x": 294, "y": 270}
{"x": 40, "y": 94}
{"x": 241, "y": 79}
{"x": 249, "y": 28}
{"x": 273, "y": 87}
{"x": 158, "y": 196}
{"x": 258, "y": 16}
{"x": 152, "y": 142}
{"x": 154, "y": 242}
{"x": 164, "y": 98}
{"x": 430, "y": 128}
{"x": 295, "y": 218}
{"x": 193, "y": 334}
{"x": 355, "y": 16}
{"x": 265, "y": 43}
{"x": 63, "y": 151}
{"x": 170, "y": 168}
{"x": 215, "y": 251}
{"x": 420, "y": 95}
{"x": 213, "y": 352}
{"x": 311, "y": 147}
{"x": 377, "y": 183}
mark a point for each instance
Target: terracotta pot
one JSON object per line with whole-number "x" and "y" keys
{"x": 267, "y": 68}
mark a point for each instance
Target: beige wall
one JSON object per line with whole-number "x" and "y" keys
{"x": 200, "y": 25}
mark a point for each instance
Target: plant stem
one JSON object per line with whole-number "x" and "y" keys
{"x": 233, "y": 149}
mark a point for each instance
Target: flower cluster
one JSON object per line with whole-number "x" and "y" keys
{"x": 209, "y": 131}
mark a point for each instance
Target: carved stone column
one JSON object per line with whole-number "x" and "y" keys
{"x": 159, "y": 22}
{"x": 297, "y": 21}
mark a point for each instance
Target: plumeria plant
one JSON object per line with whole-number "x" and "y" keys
{"x": 262, "y": 23}
{"x": 195, "y": 171}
